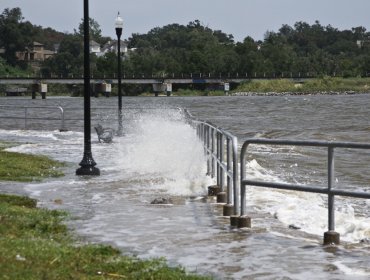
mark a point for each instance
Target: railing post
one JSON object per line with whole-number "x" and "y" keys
{"x": 236, "y": 182}
{"x": 218, "y": 175}
{"x": 25, "y": 117}
{"x": 242, "y": 186}
{"x": 62, "y": 128}
{"x": 221, "y": 159}
{"x": 213, "y": 152}
{"x": 229, "y": 180}
{"x": 229, "y": 208}
{"x": 208, "y": 153}
{"x": 204, "y": 129}
{"x": 242, "y": 220}
{"x": 331, "y": 237}
{"x": 221, "y": 196}
{"x": 331, "y": 213}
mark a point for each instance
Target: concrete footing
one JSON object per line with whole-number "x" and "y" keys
{"x": 228, "y": 210}
{"x": 244, "y": 221}
{"x": 331, "y": 238}
{"x": 213, "y": 190}
{"x": 221, "y": 197}
{"x": 234, "y": 220}
{"x": 240, "y": 221}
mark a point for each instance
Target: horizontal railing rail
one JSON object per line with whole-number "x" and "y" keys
{"x": 195, "y": 75}
{"x": 26, "y": 114}
{"x": 330, "y": 236}
{"x": 45, "y": 114}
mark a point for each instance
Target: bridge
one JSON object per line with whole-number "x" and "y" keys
{"x": 74, "y": 81}
{"x": 103, "y": 85}
{"x": 160, "y": 83}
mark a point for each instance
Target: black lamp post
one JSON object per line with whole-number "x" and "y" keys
{"x": 119, "y": 25}
{"x": 87, "y": 164}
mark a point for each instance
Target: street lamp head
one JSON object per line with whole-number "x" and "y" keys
{"x": 118, "y": 24}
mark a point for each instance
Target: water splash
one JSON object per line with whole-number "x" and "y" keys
{"x": 165, "y": 150}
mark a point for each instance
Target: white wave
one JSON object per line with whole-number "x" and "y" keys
{"x": 308, "y": 211}
{"x": 166, "y": 150}
{"x": 350, "y": 271}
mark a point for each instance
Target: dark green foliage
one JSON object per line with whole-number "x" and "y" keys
{"x": 301, "y": 50}
{"x": 178, "y": 50}
{"x": 17, "y": 35}
{"x": 68, "y": 61}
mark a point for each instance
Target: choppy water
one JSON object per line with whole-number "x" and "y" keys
{"x": 160, "y": 156}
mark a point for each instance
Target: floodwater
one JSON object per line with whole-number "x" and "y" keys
{"x": 160, "y": 156}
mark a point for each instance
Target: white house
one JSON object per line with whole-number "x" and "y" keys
{"x": 94, "y": 47}
{"x": 112, "y": 46}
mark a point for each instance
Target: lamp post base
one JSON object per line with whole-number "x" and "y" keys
{"x": 88, "y": 171}
{"x": 87, "y": 166}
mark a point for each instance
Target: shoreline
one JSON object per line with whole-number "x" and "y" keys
{"x": 292, "y": 93}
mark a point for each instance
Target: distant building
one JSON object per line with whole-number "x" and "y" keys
{"x": 362, "y": 43}
{"x": 94, "y": 47}
{"x": 35, "y": 53}
{"x": 112, "y": 46}
{"x": 56, "y": 47}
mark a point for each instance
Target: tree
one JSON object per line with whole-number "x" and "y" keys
{"x": 69, "y": 59}
{"x": 94, "y": 30}
{"x": 15, "y": 35}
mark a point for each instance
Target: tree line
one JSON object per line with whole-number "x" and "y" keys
{"x": 177, "y": 49}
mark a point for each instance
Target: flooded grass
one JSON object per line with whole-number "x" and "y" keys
{"x": 26, "y": 168}
{"x": 35, "y": 244}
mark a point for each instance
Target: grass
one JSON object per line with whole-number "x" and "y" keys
{"x": 26, "y": 168}
{"x": 35, "y": 244}
{"x": 324, "y": 84}
{"x": 189, "y": 92}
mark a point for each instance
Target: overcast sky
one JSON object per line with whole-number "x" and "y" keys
{"x": 241, "y": 18}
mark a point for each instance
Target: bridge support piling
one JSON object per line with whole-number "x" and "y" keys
{"x": 169, "y": 89}
{"x": 41, "y": 88}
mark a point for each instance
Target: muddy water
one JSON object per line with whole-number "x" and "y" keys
{"x": 159, "y": 156}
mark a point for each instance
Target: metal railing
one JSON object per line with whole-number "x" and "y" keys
{"x": 24, "y": 113}
{"x": 221, "y": 150}
{"x": 69, "y": 116}
{"x": 173, "y": 75}
{"x": 328, "y": 190}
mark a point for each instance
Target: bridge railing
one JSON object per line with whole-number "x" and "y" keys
{"x": 194, "y": 75}
{"x": 330, "y": 236}
{"x": 221, "y": 150}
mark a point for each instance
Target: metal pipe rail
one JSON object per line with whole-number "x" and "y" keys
{"x": 331, "y": 236}
{"x": 26, "y": 116}
{"x": 222, "y": 160}
{"x": 25, "y": 112}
